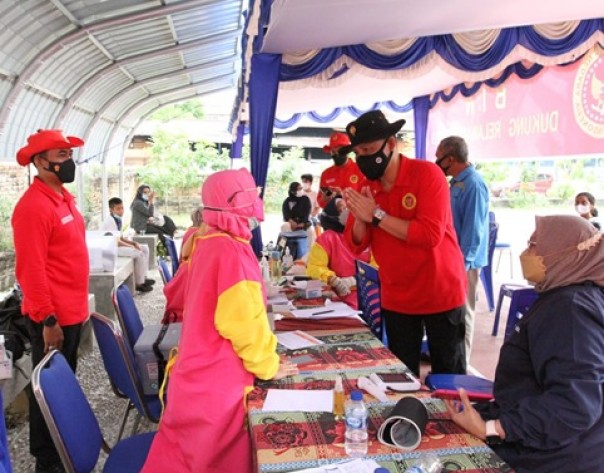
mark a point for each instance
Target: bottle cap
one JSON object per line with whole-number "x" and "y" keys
{"x": 356, "y": 395}
{"x": 381, "y": 470}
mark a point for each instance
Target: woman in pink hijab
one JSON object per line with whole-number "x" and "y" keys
{"x": 226, "y": 341}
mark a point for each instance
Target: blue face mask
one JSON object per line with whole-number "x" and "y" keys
{"x": 145, "y": 197}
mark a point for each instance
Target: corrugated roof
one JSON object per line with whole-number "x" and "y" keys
{"x": 96, "y": 69}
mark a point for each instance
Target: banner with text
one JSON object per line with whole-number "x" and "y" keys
{"x": 558, "y": 112}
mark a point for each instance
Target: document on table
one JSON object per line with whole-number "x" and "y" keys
{"x": 332, "y": 309}
{"x": 297, "y": 339}
{"x": 296, "y": 400}
{"x": 359, "y": 465}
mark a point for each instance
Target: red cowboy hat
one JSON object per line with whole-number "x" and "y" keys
{"x": 336, "y": 141}
{"x": 44, "y": 140}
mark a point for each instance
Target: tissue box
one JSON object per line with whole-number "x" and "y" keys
{"x": 102, "y": 250}
{"x": 145, "y": 358}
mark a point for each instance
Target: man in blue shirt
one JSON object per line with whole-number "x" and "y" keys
{"x": 470, "y": 203}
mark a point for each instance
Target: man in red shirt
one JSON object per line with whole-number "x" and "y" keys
{"x": 51, "y": 266}
{"x": 403, "y": 210}
{"x": 344, "y": 173}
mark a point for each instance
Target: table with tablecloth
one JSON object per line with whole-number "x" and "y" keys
{"x": 291, "y": 441}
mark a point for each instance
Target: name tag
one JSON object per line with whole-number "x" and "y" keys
{"x": 67, "y": 219}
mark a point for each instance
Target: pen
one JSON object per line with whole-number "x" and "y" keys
{"x": 322, "y": 312}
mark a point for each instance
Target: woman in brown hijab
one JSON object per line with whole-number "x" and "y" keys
{"x": 548, "y": 409}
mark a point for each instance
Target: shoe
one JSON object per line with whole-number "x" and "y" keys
{"x": 149, "y": 282}
{"x": 49, "y": 467}
{"x": 144, "y": 288}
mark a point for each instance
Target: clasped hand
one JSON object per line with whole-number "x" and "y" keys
{"x": 361, "y": 204}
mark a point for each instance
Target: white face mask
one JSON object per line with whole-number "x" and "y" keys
{"x": 145, "y": 197}
{"x": 582, "y": 209}
{"x": 300, "y": 193}
{"x": 253, "y": 223}
{"x": 343, "y": 217}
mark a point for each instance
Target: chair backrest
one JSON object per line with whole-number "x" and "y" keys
{"x": 171, "y": 247}
{"x": 118, "y": 358}
{"x": 164, "y": 271}
{"x": 127, "y": 313}
{"x": 73, "y": 426}
{"x": 369, "y": 299}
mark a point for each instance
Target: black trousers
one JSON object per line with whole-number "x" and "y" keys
{"x": 446, "y": 339}
{"x": 41, "y": 445}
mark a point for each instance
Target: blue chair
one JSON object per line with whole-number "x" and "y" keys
{"x": 127, "y": 313}
{"x": 486, "y": 273}
{"x": 118, "y": 358}
{"x": 5, "y": 464}
{"x": 164, "y": 271}
{"x": 369, "y": 300}
{"x": 521, "y": 300}
{"x": 73, "y": 426}
{"x": 172, "y": 253}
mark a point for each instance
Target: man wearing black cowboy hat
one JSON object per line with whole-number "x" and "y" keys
{"x": 403, "y": 210}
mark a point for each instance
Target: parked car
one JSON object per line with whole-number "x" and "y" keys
{"x": 542, "y": 183}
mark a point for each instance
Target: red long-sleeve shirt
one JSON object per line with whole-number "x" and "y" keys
{"x": 51, "y": 255}
{"x": 423, "y": 274}
{"x": 348, "y": 175}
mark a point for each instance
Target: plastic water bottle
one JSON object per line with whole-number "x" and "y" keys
{"x": 264, "y": 267}
{"x": 356, "y": 426}
{"x": 427, "y": 463}
{"x": 287, "y": 261}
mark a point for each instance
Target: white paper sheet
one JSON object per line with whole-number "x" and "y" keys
{"x": 331, "y": 309}
{"x": 296, "y": 400}
{"x": 297, "y": 339}
{"x": 358, "y": 465}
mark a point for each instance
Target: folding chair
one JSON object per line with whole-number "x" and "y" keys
{"x": 127, "y": 313}
{"x": 73, "y": 426}
{"x": 172, "y": 253}
{"x": 369, "y": 300}
{"x": 164, "y": 271}
{"x": 118, "y": 358}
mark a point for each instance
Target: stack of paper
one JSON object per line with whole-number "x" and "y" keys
{"x": 296, "y": 340}
{"x": 331, "y": 309}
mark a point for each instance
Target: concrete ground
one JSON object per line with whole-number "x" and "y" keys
{"x": 515, "y": 227}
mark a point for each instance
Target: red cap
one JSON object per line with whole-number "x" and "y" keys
{"x": 44, "y": 140}
{"x": 336, "y": 141}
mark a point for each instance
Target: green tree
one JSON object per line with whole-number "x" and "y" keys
{"x": 175, "y": 168}
{"x": 189, "y": 110}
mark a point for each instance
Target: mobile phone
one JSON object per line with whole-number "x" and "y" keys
{"x": 454, "y": 394}
{"x": 302, "y": 278}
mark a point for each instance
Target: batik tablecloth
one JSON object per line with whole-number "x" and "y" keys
{"x": 291, "y": 441}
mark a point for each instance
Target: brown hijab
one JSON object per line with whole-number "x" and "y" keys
{"x": 572, "y": 251}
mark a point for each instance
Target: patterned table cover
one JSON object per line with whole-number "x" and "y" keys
{"x": 292, "y": 441}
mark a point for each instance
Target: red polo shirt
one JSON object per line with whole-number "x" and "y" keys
{"x": 344, "y": 176}
{"x": 51, "y": 255}
{"x": 424, "y": 274}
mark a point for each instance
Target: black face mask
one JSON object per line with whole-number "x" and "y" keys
{"x": 338, "y": 159}
{"x": 374, "y": 165}
{"x": 65, "y": 171}
{"x": 438, "y": 161}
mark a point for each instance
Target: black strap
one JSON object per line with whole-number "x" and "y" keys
{"x": 161, "y": 361}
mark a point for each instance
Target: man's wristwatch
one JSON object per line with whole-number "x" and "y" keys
{"x": 378, "y": 216}
{"x": 50, "y": 321}
{"x": 492, "y": 435}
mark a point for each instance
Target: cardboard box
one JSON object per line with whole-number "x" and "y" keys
{"x": 146, "y": 361}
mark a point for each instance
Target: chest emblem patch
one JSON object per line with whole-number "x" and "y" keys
{"x": 354, "y": 178}
{"x": 409, "y": 201}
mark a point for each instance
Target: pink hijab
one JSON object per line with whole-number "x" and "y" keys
{"x": 230, "y": 198}
{"x": 572, "y": 250}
